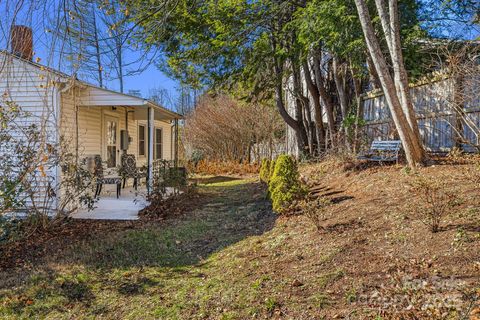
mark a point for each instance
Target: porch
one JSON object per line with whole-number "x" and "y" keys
{"x": 108, "y": 207}
{"x": 110, "y": 125}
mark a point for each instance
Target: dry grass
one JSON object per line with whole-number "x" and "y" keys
{"x": 379, "y": 215}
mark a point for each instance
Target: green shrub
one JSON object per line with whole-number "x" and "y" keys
{"x": 272, "y": 168}
{"x": 284, "y": 186}
{"x": 265, "y": 171}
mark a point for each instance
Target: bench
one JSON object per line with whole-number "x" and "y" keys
{"x": 382, "y": 151}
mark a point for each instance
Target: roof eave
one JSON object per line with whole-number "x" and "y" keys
{"x": 173, "y": 114}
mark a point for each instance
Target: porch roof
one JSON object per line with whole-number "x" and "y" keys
{"x": 95, "y": 96}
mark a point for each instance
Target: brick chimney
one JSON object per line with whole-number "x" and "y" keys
{"x": 21, "y": 38}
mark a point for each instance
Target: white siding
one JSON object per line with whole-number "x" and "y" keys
{"x": 32, "y": 89}
{"x": 67, "y": 119}
{"x": 133, "y": 133}
{"x": 167, "y": 147}
{"x": 90, "y": 131}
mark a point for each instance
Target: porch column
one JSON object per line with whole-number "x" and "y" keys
{"x": 175, "y": 157}
{"x": 151, "y": 120}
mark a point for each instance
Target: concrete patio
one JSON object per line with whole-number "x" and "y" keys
{"x": 108, "y": 207}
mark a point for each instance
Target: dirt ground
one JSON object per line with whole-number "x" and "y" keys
{"x": 391, "y": 260}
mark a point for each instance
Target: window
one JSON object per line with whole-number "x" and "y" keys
{"x": 141, "y": 140}
{"x": 158, "y": 144}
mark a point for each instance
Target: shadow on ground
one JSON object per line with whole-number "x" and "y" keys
{"x": 215, "y": 179}
{"x": 235, "y": 211}
{"x": 472, "y": 227}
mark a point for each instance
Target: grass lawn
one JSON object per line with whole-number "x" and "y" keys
{"x": 233, "y": 258}
{"x": 171, "y": 270}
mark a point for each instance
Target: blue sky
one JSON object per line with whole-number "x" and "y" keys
{"x": 150, "y": 78}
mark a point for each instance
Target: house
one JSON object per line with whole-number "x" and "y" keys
{"x": 89, "y": 119}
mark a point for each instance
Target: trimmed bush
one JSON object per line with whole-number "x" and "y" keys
{"x": 265, "y": 171}
{"x": 284, "y": 186}
{"x": 271, "y": 169}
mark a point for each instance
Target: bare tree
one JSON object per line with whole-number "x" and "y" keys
{"x": 161, "y": 96}
{"x": 325, "y": 97}
{"x": 317, "y": 106}
{"x": 187, "y": 98}
{"x": 210, "y": 130}
{"x": 123, "y": 57}
{"x": 80, "y": 36}
{"x": 115, "y": 20}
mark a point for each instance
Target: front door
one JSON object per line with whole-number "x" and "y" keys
{"x": 111, "y": 141}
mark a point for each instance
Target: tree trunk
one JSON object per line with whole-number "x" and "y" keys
{"x": 98, "y": 56}
{"x": 307, "y": 121}
{"x": 303, "y": 103}
{"x": 289, "y": 120}
{"x": 317, "y": 107}
{"x": 303, "y": 141}
{"x": 357, "y": 86}
{"x": 411, "y": 144}
{"x": 119, "y": 57}
{"x": 299, "y": 115}
{"x": 391, "y": 28}
{"x": 325, "y": 99}
{"x": 339, "y": 78}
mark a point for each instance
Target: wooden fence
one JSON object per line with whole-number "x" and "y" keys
{"x": 439, "y": 123}
{"x": 260, "y": 151}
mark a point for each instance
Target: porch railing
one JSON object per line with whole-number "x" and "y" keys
{"x": 167, "y": 173}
